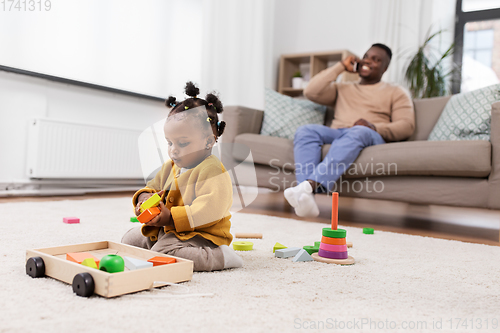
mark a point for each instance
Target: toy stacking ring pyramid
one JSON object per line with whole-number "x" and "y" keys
{"x": 333, "y": 247}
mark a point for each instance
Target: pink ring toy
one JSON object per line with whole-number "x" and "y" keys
{"x": 333, "y": 248}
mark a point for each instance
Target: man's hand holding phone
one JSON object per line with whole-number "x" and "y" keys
{"x": 351, "y": 64}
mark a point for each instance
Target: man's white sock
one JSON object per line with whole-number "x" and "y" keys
{"x": 307, "y": 206}
{"x": 231, "y": 259}
{"x": 293, "y": 194}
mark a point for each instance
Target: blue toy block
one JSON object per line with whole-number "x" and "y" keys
{"x": 288, "y": 252}
{"x": 302, "y": 256}
{"x": 132, "y": 263}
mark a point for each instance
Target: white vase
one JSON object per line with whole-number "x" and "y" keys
{"x": 297, "y": 82}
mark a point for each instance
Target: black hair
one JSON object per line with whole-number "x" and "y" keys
{"x": 385, "y": 48}
{"x": 213, "y": 107}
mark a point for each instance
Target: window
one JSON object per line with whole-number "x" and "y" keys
{"x": 477, "y": 44}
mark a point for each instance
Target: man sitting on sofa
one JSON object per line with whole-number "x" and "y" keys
{"x": 369, "y": 112}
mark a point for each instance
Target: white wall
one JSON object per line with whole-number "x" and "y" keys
{"x": 23, "y": 98}
{"x": 151, "y": 47}
{"x": 319, "y": 25}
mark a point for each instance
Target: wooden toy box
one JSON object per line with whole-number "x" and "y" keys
{"x": 112, "y": 284}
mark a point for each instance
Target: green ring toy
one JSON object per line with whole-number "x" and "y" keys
{"x": 243, "y": 246}
{"x": 339, "y": 233}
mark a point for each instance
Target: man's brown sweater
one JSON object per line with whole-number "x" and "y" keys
{"x": 387, "y": 106}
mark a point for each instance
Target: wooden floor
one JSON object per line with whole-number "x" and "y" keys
{"x": 457, "y": 223}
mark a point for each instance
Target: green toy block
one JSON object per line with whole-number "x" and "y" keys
{"x": 368, "y": 231}
{"x": 278, "y": 246}
{"x": 134, "y": 219}
{"x": 89, "y": 262}
{"x": 312, "y": 249}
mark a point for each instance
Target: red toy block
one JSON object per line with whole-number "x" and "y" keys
{"x": 79, "y": 257}
{"x": 148, "y": 214}
{"x": 71, "y": 220}
{"x": 157, "y": 261}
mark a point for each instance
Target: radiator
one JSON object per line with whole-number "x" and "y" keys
{"x": 60, "y": 149}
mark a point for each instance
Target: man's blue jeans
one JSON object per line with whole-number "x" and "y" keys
{"x": 347, "y": 143}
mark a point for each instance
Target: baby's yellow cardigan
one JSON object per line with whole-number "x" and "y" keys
{"x": 199, "y": 200}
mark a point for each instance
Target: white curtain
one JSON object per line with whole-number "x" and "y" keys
{"x": 236, "y": 46}
{"x": 402, "y": 25}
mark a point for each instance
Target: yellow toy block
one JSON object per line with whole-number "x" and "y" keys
{"x": 278, "y": 246}
{"x": 89, "y": 262}
{"x": 153, "y": 201}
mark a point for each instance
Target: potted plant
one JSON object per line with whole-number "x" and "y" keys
{"x": 297, "y": 80}
{"x": 425, "y": 74}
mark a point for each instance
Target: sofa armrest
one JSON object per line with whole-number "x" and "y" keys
{"x": 494, "y": 178}
{"x": 239, "y": 120}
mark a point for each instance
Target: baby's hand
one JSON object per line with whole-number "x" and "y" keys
{"x": 163, "y": 219}
{"x": 143, "y": 197}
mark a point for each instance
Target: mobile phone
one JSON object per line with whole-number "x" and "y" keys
{"x": 355, "y": 67}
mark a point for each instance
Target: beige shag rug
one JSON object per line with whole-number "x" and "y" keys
{"x": 399, "y": 282}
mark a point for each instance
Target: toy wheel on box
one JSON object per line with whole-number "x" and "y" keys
{"x": 35, "y": 267}
{"x": 83, "y": 285}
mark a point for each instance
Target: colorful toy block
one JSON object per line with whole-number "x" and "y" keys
{"x": 278, "y": 246}
{"x": 79, "y": 257}
{"x": 152, "y": 201}
{"x": 302, "y": 255}
{"x": 148, "y": 214}
{"x": 243, "y": 246}
{"x": 248, "y": 235}
{"x": 89, "y": 262}
{"x": 133, "y": 264}
{"x": 134, "y": 219}
{"x": 157, "y": 261}
{"x": 368, "y": 231}
{"x": 71, "y": 220}
{"x": 310, "y": 249}
{"x": 288, "y": 252}
{"x": 112, "y": 263}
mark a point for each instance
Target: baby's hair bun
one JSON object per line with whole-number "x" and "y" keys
{"x": 220, "y": 128}
{"x": 171, "y": 102}
{"x": 191, "y": 89}
{"x": 214, "y": 101}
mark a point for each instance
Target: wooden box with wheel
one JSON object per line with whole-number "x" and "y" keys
{"x": 86, "y": 280}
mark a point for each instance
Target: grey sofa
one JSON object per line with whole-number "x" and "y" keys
{"x": 457, "y": 173}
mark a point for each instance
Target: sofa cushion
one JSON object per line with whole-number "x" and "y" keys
{"x": 267, "y": 150}
{"x": 466, "y": 116}
{"x": 284, "y": 114}
{"x": 423, "y": 158}
{"x": 415, "y": 158}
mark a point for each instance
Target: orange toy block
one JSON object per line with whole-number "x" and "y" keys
{"x": 79, "y": 257}
{"x": 148, "y": 214}
{"x": 157, "y": 261}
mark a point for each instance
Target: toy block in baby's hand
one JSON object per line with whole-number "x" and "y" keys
{"x": 148, "y": 214}
{"x": 79, "y": 257}
{"x": 162, "y": 261}
{"x": 153, "y": 201}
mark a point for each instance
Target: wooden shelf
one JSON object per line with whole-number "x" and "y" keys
{"x": 309, "y": 64}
